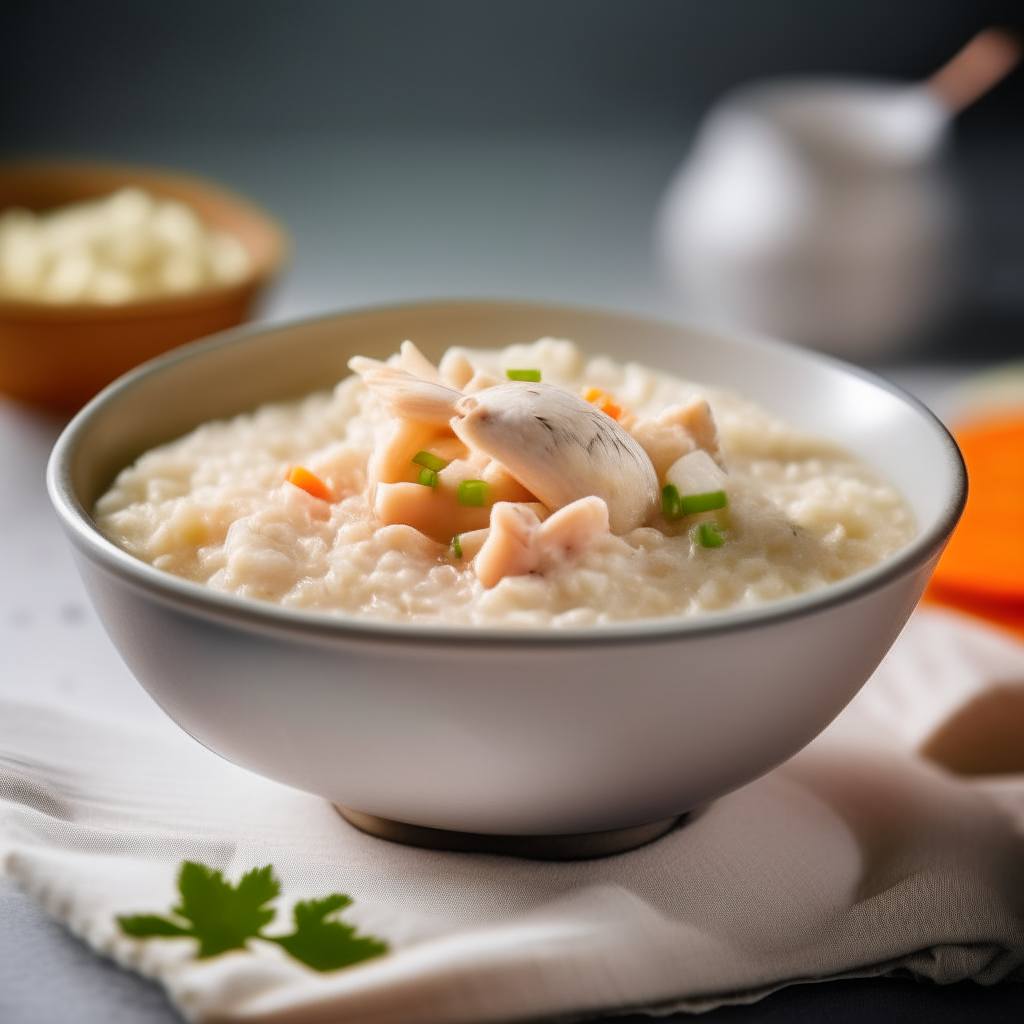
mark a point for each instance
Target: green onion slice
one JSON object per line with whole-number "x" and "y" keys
{"x": 691, "y": 503}
{"x": 707, "y": 535}
{"x": 473, "y": 493}
{"x": 427, "y": 477}
{"x": 670, "y": 502}
{"x": 530, "y": 375}
{"x": 457, "y": 546}
{"x": 430, "y": 460}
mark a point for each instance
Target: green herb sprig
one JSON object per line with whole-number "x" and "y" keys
{"x": 430, "y": 461}
{"x": 707, "y": 535}
{"x": 222, "y": 916}
{"x": 473, "y": 493}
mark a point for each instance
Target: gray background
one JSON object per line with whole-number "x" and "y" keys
{"x": 502, "y": 147}
{"x": 72, "y": 70}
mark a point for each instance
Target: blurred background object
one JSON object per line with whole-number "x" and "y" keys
{"x": 122, "y": 268}
{"x": 514, "y": 148}
{"x": 815, "y": 209}
{"x": 982, "y": 569}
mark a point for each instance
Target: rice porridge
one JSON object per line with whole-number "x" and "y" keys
{"x": 523, "y": 487}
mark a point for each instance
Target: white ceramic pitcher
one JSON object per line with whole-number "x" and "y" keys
{"x": 817, "y": 210}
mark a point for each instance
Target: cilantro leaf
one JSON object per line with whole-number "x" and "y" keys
{"x": 144, "y": 926}
{"x": 326, "y": 945}
{"x": 224, "y": 916}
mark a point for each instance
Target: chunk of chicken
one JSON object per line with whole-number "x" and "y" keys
{"x": 561, "y": 448}
{"x": 676, "y": 432}
{"x": 456, "y": 369}
{"x": 519, "y": 543}
{"x": 556, "y": 445}
{"x": 436, "y": 510}
{"x": 409, "y": 397}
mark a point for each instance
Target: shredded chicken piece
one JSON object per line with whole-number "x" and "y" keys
{"x": 557, "y": 446}
{"x": 561, "y": 448}
{"x": 676, "y": 432}
{"x": 456, "y": 369}
{"x": 519, "y": 543}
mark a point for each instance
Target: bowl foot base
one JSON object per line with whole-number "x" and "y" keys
{"x": 581, "y": 846}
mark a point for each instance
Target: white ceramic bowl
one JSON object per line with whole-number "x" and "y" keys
{"x": 514, "y": 733}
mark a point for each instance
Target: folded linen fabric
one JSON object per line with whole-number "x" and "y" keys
{"x": 857, "y": 857}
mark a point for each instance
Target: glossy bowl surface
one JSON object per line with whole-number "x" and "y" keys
{"x": 502, "y": 732}
{"x": 59, "y": 356}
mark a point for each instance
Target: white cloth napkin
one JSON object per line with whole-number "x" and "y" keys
{"x": 857, "y": 857}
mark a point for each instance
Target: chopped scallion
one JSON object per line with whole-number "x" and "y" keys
{"x": 670, "y": 502}
{"x": 430, "y": 460}
{"x": 707, "y": 535}
{"x": 473, "y": 493}
{"x": 529, "y": 375}
{"x": 427, "y": 477}
{"x": 456, "y": 546}
{"x": 691, "y": 503}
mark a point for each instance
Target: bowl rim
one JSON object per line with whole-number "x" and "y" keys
{"x": 262, "y": 617}
{"x": 150, "y": 178}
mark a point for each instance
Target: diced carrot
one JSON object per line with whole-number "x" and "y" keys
{"x": 309, "y": 482}
{"x": 605, "y": 402}
{"x": 984, "y": 563}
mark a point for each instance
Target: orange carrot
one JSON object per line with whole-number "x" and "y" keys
{"x": 983, "y": 565}
{"x": 605, "y": 402}
{"x": 309, "y": 482}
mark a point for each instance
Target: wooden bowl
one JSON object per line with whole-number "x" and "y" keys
{"x": 59, "y": 356}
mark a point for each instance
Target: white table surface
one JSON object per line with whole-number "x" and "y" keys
{"x": 373, "y": 221}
